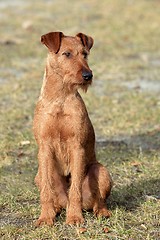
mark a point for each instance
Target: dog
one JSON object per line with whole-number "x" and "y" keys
{"x": 69, "y": 175}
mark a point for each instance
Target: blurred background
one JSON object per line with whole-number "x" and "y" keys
{"x": 125, "y": 58}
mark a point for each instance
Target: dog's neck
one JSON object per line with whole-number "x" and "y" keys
{"x": 53, "y": 88}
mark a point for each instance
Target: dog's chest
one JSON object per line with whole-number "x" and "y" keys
{"x": 70, "y": 120}
{"x": 71, "y": 130}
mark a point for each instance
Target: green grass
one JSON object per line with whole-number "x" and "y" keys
{"x": 123, "y": 103}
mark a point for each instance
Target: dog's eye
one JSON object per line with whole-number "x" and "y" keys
{"x": 67, "y": 54}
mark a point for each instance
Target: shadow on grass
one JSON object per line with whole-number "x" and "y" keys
{"x": 142, "y": 183}
{"x": 131, "y": 196}
{"x": 147, "y": 141}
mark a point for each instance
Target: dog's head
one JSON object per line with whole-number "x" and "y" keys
{"x": 68, "y": 57}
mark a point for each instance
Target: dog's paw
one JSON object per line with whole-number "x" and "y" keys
{"x": 71, "y": 220}
{"x": 48, "y": 214}
{"x": 103, "y": 212}
{"x": 44, "y": 221}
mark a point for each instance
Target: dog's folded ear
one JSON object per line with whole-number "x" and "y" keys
{"x": 87, "y": 41}
{"x": 52, "y": 40}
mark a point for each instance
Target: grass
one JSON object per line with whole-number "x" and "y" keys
{"x": 123, "y": 103}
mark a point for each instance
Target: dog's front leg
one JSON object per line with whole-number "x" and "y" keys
{"x": 74, "y": 207}
{"x": 46, "y": 184}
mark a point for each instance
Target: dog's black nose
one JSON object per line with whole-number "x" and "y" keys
{"x": 87, "y": 75}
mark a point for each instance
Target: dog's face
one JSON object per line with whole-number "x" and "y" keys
{"x": 68, "y": 57}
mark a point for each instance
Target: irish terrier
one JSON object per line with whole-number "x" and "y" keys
{"x": 69, "y": 175}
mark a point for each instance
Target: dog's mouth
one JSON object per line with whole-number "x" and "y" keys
{"x": 84, "y": 85}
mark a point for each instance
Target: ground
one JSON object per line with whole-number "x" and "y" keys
{"x": 123, "y": 104}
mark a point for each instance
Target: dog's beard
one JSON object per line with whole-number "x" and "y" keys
{"x": 84, "y": 87}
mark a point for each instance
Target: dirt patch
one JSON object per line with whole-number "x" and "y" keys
{"x": 143, "y": 85}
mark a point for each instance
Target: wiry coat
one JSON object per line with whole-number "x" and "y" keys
{"x": 69, "y": 175}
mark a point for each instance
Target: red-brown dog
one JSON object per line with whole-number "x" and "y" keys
{"x": 69, "y": 175}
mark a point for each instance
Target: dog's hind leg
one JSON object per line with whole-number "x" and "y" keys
{"x": 96, "y": 188}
